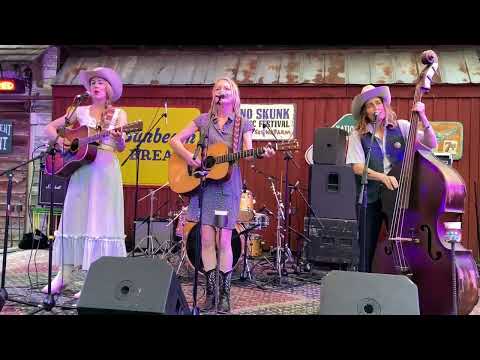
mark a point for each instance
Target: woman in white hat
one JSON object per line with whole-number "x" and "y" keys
{"x": 92, "y": 222}
{"x": 387, "y": 150}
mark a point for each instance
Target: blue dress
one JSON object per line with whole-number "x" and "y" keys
{"x": 224, "y": 195}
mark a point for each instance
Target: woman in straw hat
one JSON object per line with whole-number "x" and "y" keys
{"x": 91, "y": 225}
{"x": 387, "y": 150}
{"x": 225, "y": 110}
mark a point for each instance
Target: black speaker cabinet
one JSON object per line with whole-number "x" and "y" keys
{"x": 333, "y": 192}
{"x": 333, "y": 241}
{"x": 358, "y": 293}
{"x": 330, "y": 146}
{"x": 44, "y": 186}
{"x": 132, "y": 285}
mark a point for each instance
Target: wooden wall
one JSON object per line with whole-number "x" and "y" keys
{"x": 316, "y": 107}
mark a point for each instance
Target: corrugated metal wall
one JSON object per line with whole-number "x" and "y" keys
{"x": 316, "y": 107}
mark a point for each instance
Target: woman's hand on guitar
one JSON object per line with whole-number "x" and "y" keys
{"x": 269, "y": 150}
{"x": 116, "y": 134}
{"x": 62, "y": 142}
{"x": 193, "y": 163}
{"x": 390, "y": 182}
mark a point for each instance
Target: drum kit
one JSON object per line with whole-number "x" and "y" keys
{"x": 243, "y": 236}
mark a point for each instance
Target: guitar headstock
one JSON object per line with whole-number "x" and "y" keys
{"x": 133, "y": 127}
{"x": 287, "y": 145}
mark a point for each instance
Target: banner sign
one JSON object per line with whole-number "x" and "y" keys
{"x": 154, "y": 153}
{"x": 272, "y": 121}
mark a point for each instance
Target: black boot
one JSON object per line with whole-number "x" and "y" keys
{"x": 210, "y": 280}
{"x": 224, "y": 302}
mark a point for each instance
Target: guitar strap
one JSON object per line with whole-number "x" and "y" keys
{"x": 236, "y": 133}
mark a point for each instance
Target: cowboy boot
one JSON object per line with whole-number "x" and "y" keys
{"x": 210, "y": 279}
{"x": 224, "y": 302}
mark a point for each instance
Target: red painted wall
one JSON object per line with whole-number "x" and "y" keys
{"x": 316, "y": 107}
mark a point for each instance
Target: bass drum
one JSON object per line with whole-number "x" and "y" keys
{"x": 191, "y": 229}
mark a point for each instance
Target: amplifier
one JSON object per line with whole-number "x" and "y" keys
{"x": 334, "y": 241}
{"x": 159, "y": 229}
{"x": 44, "y": 188}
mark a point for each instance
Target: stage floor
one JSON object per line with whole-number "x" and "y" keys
{"x": 299, "y": 295}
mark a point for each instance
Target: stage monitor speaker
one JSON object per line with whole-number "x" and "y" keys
{"x": 333, "y": 192}
{"x": 330, "y": 146}
{"x": 44, "y": 186}
{"x": 132, "y": 285}
{"x": 159, "y": 229}
{"x": 358, "y": 293}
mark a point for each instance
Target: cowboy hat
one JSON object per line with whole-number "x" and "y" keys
{"x": 105, "y": 73}
{"x": 369, "y": 92}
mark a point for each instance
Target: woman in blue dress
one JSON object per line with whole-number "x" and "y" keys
{"x": 225, "y": 195}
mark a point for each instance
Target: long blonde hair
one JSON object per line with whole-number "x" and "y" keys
{"x": 108, "y": 110}
{"x": 236, "y": 95}
{"x": 390, "y": 118}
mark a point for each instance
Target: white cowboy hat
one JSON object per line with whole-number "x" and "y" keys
{"x": 369, "y": 92}
{"x": 105, "y": 73}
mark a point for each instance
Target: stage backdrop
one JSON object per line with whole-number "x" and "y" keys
{"x": 315, "y": 106}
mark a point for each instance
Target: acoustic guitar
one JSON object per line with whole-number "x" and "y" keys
{"x": 82, "y": 149}
{"x": 182, "y": 177}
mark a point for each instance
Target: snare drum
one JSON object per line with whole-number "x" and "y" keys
{"x": 247, "y": 211}
{"x": 255, "y": 245}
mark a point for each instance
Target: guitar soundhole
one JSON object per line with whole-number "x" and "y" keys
{"x": 74, "y": 146}
{"x": 209, "y": 162}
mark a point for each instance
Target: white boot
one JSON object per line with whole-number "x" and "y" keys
{"x": 62, "y": 280}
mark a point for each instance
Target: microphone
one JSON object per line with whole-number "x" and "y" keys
{"x": 83, "y": 96}
{"x": 375, "y": 116}
{"x": 222, "y": 96}
{"x": 166, "y": 116}
{"x": 294, "y": 187}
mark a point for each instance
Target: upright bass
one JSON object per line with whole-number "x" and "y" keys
{"x": 419, "y": 216}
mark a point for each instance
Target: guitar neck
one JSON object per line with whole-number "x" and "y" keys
{"x": 238, "y": 155}
{"x": 96, "y": 137}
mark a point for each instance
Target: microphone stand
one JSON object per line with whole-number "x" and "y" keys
{"x": 137, "y": 170}
{"x": 201, "y": 173}
{"x": 302, "y": 262}
{"x": 362, "y": 198}
{"x": 49, "y": 302}
{"x": 287, "y": 215}
{"x": 4, "y": 297}
{"x": 149, "y": 250}
{"x": 75, "y": 103}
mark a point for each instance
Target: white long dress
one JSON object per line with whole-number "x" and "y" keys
{"x": 92, "y": 225}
